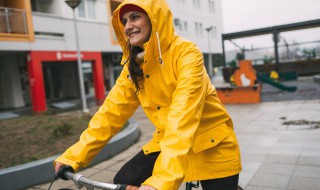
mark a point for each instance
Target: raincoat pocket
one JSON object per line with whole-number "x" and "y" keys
{"x": 211, "y": 138}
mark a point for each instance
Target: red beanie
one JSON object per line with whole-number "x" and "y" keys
{"x": 130, "y": 7}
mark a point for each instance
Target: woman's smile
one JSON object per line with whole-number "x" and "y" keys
{"x": 133, "y": 34}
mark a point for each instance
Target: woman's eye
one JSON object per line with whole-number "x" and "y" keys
{"x": 134, "y": 17}
{"x": 124, "y": 22}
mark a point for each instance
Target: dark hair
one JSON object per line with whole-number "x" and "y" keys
{"x": 136, "y": 73}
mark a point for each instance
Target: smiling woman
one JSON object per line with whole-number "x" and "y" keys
{"x": 165, "y": 75}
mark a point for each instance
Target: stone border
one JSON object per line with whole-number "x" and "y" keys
{"x": 40, "y": 171}
{"x": 316, "y": 78}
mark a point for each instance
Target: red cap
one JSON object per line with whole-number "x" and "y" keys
{"x": 130, "y": 7}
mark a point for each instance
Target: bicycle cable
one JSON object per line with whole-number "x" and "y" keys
{"x": 60, "y": 174}
{"x": 54, "y": 179}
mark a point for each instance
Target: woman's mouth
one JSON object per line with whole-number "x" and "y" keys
{"x": 132, "y": 34}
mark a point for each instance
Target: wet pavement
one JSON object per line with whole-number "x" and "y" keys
{"x": 307, "y": 89}
{"x": 279, "y": 152}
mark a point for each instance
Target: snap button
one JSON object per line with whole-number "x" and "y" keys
{"x": 147, "y": 76}
{"x": 158, "y": 132}
{"x": 146, "y": 150}
{"x": 212, "y": 140}
{"x": 158, "y": 107}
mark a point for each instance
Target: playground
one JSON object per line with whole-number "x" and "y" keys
{"x": 246, "y": 85}
{"x": 278, "y": 70}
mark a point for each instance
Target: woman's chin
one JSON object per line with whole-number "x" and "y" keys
{"x": 135, "y": 43}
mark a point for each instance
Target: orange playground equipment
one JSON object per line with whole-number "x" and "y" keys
{"x": 246, "y": 91}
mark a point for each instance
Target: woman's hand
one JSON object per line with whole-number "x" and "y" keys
{"x": 145, "y": 187}
{"x": 130, "y": 187}
{"x": 58, "y": 166}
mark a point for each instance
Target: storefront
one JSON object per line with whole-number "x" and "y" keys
{"x": 53, "y": 76}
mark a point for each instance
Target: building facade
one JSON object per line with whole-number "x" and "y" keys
{"x": 38, "y": 52}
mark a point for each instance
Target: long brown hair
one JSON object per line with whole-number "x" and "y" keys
{"x": 136, "y": 73}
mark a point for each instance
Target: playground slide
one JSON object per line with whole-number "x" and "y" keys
{"x": 276, "y": 84}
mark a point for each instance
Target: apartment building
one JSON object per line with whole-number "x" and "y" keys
{"x": 38, "y": 51}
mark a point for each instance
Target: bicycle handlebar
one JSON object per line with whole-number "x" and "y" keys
{"x": 81, "y": 181}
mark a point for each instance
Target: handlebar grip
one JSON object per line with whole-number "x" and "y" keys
{"x": 61, "y": 172}
{"x": 123, "y": 187}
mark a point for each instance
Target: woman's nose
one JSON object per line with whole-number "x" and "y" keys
{"x": 128, "y": 25}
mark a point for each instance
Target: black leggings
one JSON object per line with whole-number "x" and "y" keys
{"x": 140, "y": 167}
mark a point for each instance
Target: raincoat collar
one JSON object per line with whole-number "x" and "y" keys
{"x": 162, "y": 33}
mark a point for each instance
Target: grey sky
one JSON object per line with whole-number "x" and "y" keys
{"x": 241, "y": 15}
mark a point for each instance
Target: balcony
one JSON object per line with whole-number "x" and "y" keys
{"x": 14, "y": 25}
{"x": 13, "y": 21}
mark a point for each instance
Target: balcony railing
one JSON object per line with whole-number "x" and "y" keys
{"x": 13, "y": 21}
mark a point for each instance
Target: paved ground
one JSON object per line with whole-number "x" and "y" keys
{"x": 274, "y": 156}
{"x": 307, "y": 89}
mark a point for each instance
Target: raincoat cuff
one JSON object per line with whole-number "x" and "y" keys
{"x": 158, "y": 184}
{"x": 68, "y": 162}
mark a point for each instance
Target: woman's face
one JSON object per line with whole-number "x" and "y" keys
{"x": 137, "y": 27}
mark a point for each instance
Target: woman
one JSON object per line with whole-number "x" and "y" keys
{"x": 165, "y": 75}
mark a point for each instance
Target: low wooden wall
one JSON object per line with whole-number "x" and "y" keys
{"x": 240, "y": 94}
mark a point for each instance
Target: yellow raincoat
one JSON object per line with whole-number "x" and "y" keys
{"x": 193, "y": 129}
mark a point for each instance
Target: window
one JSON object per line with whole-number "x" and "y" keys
{"x": 113, "y": 6}
{"x": 214, "y": 32}
{"x": 186, "y": 26}
{"x": 199, "y": 29}
{"x": 211, "y": 6}
{"x": 196, "y": 3}
{"x": 177, "y": 24}
{"x": 180, "y": 25}
{"x": 196, "y": 27}
{"x": 86, "y": 9}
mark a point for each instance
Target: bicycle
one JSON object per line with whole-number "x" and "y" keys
{"x": 67, "y": 173}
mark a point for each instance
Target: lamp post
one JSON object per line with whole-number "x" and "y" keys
{"x": 74, "y": 4}
{"x": 209, "y": 53}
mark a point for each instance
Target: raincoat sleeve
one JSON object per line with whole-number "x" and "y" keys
{"x": 182, "y": 121}
{"x": 119, "y": 105}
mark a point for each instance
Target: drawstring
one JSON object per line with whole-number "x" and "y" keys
{"x": 159, "y": 48}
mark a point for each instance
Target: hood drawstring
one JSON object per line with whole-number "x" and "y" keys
{"x": 159, "y": 48}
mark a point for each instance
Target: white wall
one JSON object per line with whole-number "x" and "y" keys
{"x": 187, "y": 12}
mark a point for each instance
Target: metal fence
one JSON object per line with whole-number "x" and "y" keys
{"x": 288, "y": 52}
{"x": 13, "y": 21}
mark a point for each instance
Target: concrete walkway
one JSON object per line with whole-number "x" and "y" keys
{"x": 274, "y": 156}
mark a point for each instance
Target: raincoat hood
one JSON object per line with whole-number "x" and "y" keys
{"x": 162, "y": 32}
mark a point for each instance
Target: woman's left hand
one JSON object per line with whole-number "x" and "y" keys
{"x": 145, "y": 187}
